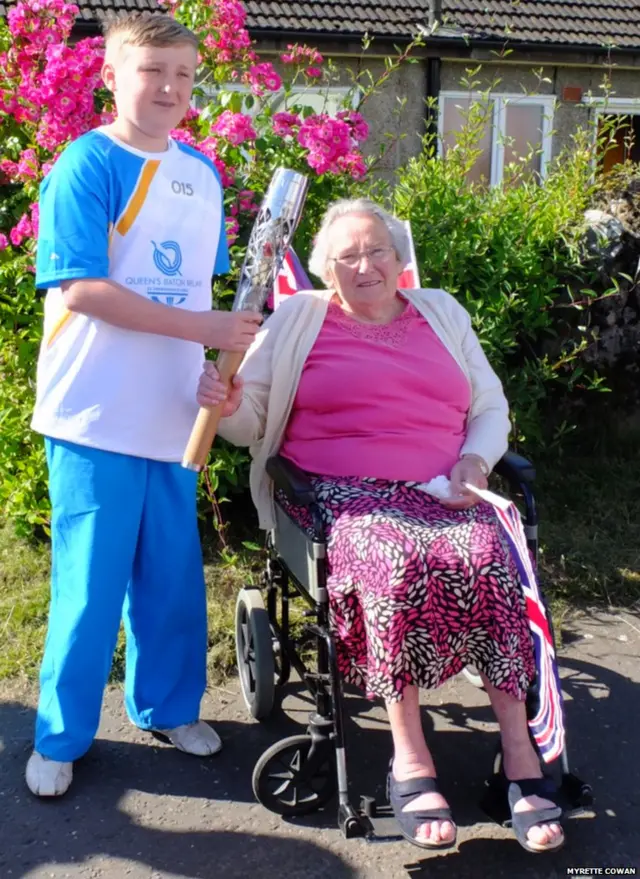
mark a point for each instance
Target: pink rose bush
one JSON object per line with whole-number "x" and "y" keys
{"x": 234, "y": 127}
{"x": 332, "y": 144}
{"x": 51, "y": 93}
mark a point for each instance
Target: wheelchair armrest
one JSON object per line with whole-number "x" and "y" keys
{"x": 516, "y": 469}
{"x": 290, "y": 479}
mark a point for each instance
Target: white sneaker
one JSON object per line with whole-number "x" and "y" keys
{"x": 48, "y": 778}
{"x": 196, "y": 738}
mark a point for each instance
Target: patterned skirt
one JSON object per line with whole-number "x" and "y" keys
{"x": 417, "y": 591}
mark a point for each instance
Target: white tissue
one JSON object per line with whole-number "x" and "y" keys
{"x": 438, "y": 487}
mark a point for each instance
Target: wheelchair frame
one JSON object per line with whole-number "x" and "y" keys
{"x": 294, "y": 776}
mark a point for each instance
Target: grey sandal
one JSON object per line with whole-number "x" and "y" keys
{"x": 522, "y": 822}
{"x": 401, "y": 793}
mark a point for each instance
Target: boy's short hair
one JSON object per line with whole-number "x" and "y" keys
{"x": 145, "y": 29}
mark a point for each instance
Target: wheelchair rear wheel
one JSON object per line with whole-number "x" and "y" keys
{"x": 296, "y": 776}
{"x": 254, "y": 653}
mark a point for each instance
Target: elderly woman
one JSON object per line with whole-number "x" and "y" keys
{"x": 374, "y": 391}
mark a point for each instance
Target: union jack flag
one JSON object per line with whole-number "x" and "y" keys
{"x": 290, "y": 279}
{"x": 544, "y": 705}
{"x": 409, "y": 278}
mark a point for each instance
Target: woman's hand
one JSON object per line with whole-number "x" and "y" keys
{"x": 468, "y": 469}
{"x": 211, "y": 391}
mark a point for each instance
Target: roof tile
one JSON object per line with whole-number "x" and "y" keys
{"x": 574, "y": 22}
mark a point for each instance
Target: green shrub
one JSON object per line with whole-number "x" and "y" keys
{"x": 511, "y": 254}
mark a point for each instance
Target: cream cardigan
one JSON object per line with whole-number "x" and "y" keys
{"x": 273, "y": 365}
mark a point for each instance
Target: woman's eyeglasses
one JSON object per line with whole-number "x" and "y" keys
{"x": 374, "y": 254}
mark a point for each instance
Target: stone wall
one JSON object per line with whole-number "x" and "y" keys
{"x": 614, "y": 239}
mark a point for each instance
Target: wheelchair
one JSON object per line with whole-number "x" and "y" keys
{"x": 300, "y": 774}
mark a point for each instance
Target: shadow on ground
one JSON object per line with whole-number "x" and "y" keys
{"x": 135, "y": 803}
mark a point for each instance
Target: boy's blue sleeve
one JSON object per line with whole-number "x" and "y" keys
{"x": 73, "y": 235}
{"x": 222, "y": 264}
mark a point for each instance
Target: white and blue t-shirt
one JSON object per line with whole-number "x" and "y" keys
{"x": 153, "y": 222}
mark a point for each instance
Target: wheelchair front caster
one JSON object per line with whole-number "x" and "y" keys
{"x": 351, "y": 824}
{"x": 296, "y": 776}
{"x": 254, "y": 653}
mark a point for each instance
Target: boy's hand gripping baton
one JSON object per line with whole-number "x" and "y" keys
{"x": 270, "y": 238}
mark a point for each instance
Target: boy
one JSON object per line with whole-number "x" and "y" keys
{"x": 131, "y": 231}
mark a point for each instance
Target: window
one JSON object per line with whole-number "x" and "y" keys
{"x": 327, "y": 99}
{"x": 509, "y": 127}
{"x": 622, "y": 117}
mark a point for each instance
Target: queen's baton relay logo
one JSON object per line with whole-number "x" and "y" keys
{"x": 167, "y": 279}
{"x": 172, "y": 289}
{"x": 167, "y": 257}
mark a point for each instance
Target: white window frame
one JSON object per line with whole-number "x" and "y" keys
{"x": 603, "y": 106}
{"x": 500, "y": 101}
{"x": 613, "y": 106}
{"x": 338, "y": 90}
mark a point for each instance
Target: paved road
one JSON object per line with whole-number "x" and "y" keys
{"x": 142, "y": 810}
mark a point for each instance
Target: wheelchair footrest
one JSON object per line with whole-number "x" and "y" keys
{"x": 575, "y": 797}
{"x": 373, "y": 821}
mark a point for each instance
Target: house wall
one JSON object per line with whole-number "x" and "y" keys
{"x": 395, "y": 112}
{"x": 548, "y": 79}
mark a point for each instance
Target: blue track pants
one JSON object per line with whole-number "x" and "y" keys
{"x": 125, "y": 544}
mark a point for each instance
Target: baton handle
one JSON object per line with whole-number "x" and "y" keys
{"x": 206, "y": 424}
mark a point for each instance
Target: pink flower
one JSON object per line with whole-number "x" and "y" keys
{"x": 28, "y": 165}
{"x": 263, "y": 76}
{"x": 357, "y": 122}
{"x": 4, "y": 242}
{"x": 191, "y": 114}
{"x": 247, "y": 204}
{"x": 227, "y": 37}
{"x": 234, "y": 127}
{"x": 8, "y": 168}
{"x": 62, "y": 96}
{"x": 301, "y": 55}
{"x": 354, "y": 164}
{"x": 284, "y": 124}
{"x": 35, "y": 218}
{"x": 41, "y": 22}
{"x": 326, "y": 140}
{"x": 233, "y": 227}
{"x": 21, "y": 230}
{"x": 183, "y": 136}
{"x": 209, "y": 147}
{"x": 313, "y": 72}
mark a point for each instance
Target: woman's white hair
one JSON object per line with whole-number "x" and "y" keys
{"x": 319, "y": 259}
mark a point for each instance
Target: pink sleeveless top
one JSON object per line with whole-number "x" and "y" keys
{"x": 384, "y": 401}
